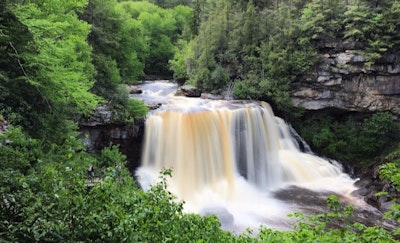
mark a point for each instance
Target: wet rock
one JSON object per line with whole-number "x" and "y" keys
{"x": 385, "y": 206}
{"x": 188, "y": 91}
{"x": 371, "y": 187}
{"x": 101, "y": 115}
{"x": 364, "y": 182}
{"x": 154, "y": 106}
{"x": 135, "y": 90}
{"x": 360, "y": 192}
{"x": 315, "y": 202}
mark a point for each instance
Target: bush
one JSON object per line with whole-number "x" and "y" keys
{"x": 351, "y": 140}
{"x": 378, "y": 133}
{"x": 125, "y": 109}
{"x": 17, "y": 151}
{"x": 53, "y": 200}
{"x": 136, "y": 109}
{"x": 391, "y": 171}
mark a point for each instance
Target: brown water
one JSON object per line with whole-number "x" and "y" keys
{"x": 236, "y": 160}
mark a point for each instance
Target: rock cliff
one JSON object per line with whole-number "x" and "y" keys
{"x": 342, "y": 80}
{"x": 99, "y": 132}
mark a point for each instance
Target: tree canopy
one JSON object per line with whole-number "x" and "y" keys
{"x": 263, "y": 46}
{"x": 48, "y": 70}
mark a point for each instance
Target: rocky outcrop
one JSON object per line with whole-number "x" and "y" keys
{"x": 188, "y": 91}
{"x": 100, "y": 131}
{"x": 344, "y": 81}
{"x": 135, "y": 90}
{"x": 370, "y": 184}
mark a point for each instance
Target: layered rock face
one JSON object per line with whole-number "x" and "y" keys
{"x": 99, "y": 132}
{"x": 344, "y": 81}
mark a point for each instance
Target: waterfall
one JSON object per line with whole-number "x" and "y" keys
{"x": 206, "y": 146}
{"x": 231, "y": 156}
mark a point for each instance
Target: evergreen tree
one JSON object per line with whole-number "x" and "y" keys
{"x": 377, "y": 27}
{"x": 321, "y": 20}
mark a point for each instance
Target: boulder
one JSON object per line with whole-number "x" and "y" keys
{"x": 188, "y": 91}
{"x": 370, "y": 185}
{"x": 135, "y": 90}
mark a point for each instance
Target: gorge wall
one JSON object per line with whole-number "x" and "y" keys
{"x": 99, "y": 132}
{"x": 343, "y": 81}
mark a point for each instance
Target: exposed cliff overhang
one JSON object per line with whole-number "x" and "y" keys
{"x": 342, "y": 80}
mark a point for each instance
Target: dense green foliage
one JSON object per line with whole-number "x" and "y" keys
{"x": 59, "y": 60}
{"x": 47, "y": 72}
{"x": 57, "y": 68}
{"x": 47, "y": 195}
{"x": 352, "y": 140}
{"x": 391, "y": 171}
{"x": 131, "y": 39}
{"x": 264, "y": 46}
{"x": 376, "y": 26}
{"x": 261, "y": 49}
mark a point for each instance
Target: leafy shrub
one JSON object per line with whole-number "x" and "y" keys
{"x": 136, "y": 109}
{"x": 17, "y": 151}
{"x": 377, "y": 133}
{"x": 52, "y": 200}
{"x": 246, "y": 89}
{"x": 391, "y": 171}
{"x": 351, "y": 140}
{"x": 126, "y": 109}
{"x": 110, "y": 156}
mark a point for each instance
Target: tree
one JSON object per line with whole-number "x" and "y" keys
{"x": 210, "y": 65}
{"x": 52, "y": 71}
{"x": 14, "y": 38}
{"x": 161, "y": 30}
{"x": 322, "y": 19}
{"x": 104, "y": 43}
{"x": 375, "y": 26}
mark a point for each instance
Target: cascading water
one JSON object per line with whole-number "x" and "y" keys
{"x": 227, "y": 158}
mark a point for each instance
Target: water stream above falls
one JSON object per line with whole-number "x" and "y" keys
{"x": 234, "y": 159}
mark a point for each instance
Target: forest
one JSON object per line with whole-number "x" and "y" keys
{"x": 60, "y": 60}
